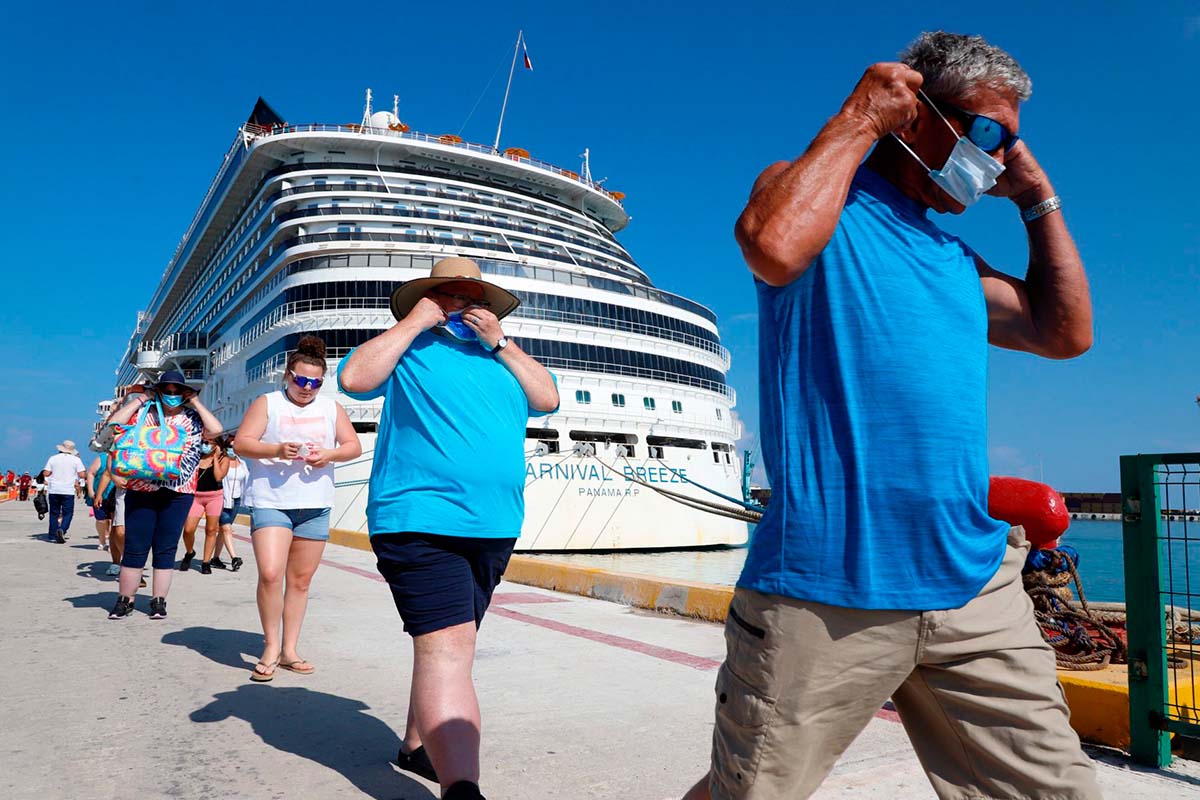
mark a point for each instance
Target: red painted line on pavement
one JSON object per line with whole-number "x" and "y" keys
{"x": 888, "y": 711}
{"x": 664, "y": 653}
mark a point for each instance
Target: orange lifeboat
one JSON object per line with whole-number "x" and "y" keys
{"x": 516, "y": 152}
{"x": 618, "y": 196}
{"x": 449, "y": 138}
{"x": 398, "y": 126}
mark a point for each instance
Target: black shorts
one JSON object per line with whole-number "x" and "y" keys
{"x": 440, "y": 581}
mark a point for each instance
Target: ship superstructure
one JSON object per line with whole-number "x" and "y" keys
{"x": 309, "y": 228}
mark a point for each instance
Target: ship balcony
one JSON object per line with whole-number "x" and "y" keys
{"x": 147, "y": 359}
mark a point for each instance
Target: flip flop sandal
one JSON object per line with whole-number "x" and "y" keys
{"x": 291, "y": 666}
{"x": 263, "y": 677}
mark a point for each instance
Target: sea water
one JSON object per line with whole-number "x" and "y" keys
{"x": 1101, "y": 561}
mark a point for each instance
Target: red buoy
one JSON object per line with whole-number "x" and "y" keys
{"x": 1035, "y": 506}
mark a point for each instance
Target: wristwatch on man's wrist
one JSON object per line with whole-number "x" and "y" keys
{"x": 501, "y": 343}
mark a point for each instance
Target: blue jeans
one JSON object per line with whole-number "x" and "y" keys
{"x": 64, "y": 504}
{"x": 154, "y": 520}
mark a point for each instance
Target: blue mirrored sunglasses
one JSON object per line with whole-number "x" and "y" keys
{"x": 984, "y": 132}
{"x": 306, "y": 383}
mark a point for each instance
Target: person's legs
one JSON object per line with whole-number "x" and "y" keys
{"x": 984, "y": 709}
{"x": 444, "y": 705}
{"x": 304, "y": 557}
{"x": 799, "y": 682}
{"x": 116, "y": 543}
{"x": 211, "y": 532}
{"x": 56, "y": 503}
{"x": 189, "y": 536}
{"x": 271, "y": 546}
{"x": 68, "y": 513}
{"x": 141, "y": 517}
{"x": 171, "y": 521}
{"x": 103, "y": 522}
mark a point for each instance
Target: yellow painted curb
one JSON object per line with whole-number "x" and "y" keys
{"x": 1099, "y": 701}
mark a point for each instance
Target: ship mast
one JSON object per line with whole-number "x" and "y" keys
{"x": 504, "y": 105}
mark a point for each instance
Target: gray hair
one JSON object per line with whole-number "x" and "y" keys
{"x": 953, "y": 65}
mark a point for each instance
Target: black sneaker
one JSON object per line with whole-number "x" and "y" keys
{"x": 123, "y": 607}
{"x": 235, "y": 564}
{"x": 58, "y": 536}
{"x": 463, "y": 790}
{"x": 206, "y": 567}
{"x": 417, "y": 762}
{"x": 158, "y": 608}
{"x": 186, "y": 563}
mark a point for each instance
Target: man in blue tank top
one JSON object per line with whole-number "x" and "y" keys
{"x": 876, "y": 571}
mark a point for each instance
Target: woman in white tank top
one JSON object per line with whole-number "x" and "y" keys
{"x": 290, "y": 440}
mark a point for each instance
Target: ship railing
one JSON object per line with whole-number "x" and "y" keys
{"x": 437, "y": 140}
{"x": 608, "y": 323}
{"x": 557, "y": 362}
{"x": 538, "y": 204}
{"x": 295, "y": 307}
{"x": 535, "y": 271}
{"x": 1160, "y": 503}
{"x": 445, "y": 216}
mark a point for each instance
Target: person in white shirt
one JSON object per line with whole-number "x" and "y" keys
{"x": 63, "y": 471}
{"x": 234, "y": 488}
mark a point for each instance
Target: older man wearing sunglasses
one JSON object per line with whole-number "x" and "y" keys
{"x": 877, "y": 572}
{"x": 446, "y": 499}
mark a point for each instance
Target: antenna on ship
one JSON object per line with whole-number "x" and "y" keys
{"x": 504, "y": 105}
{"x": 585, "y": 171}
{"x": 396, "y": 106}
{"x": 366, "y": 122}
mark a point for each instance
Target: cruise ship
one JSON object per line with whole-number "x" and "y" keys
{"x": 308, "y": 229}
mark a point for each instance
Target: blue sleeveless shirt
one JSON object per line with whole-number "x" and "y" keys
{"x": 873, "y": 416}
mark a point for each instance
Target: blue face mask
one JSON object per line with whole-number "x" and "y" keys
{"x": 172, "y": 400}
{"x": 205, "y": 449}
{"x": 458, "y": 329}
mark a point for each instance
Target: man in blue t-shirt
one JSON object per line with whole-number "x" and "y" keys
{"x": 446, "y": 498}
{"x": 876, "y": 571}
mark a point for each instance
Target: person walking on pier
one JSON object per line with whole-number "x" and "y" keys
{"x": 291, "y": 439}
{"x": 207, "y": 505}
{"x": 233, "y": 489}
{"x": 446, "y": 498}
{"x": 24, "y": 482}
{"x": 155, "y": 511}
{"x": 62, "y": 471}
{"x": 103, "y": 503}
{"x": 876, "y": 571}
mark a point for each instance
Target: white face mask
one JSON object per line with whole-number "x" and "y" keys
{"x": 968, "y": 173}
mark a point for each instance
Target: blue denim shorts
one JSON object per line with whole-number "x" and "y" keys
{"x": 304, "y": 523}
{"x": 228, "y": 515}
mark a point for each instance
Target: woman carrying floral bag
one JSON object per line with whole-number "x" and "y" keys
{"x": 159, "y": 455}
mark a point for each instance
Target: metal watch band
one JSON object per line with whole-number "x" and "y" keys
{"x": 1041, "y": 209}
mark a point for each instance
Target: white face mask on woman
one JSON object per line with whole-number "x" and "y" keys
{"x": 968, "y": 172}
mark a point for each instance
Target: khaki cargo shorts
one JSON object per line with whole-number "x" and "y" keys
{"x": 975, "y": 688}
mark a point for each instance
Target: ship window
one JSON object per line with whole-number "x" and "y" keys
{"x": 618, "y": 400}
{"x": 716, "y": 457}
{"x": 656, "y": 452}
{"x": 727, "y": 461}
{"x": 365, "y": 427}
{"x": 677, "y": 406}
{"x": 718, "y": 413}
{"x": 541, "y": 433}
{"x": 648, "y": 402}
{"x": 603, "y": 436}
{"x": 673, "y": 441}
{"x": 583, "y": 396}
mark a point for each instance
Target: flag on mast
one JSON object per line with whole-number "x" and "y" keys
{"x": 525, "y": 52}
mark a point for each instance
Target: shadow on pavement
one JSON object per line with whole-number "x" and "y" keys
{"x": 103, "y": 600}
{"x": 95, "y": 569}
{"x": 333, "y": 731}
{"x": 224, "y": 646}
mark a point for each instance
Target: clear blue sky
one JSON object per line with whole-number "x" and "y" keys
{"x": 116, "y": 120}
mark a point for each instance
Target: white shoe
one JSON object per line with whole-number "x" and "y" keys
{"x": 114, "y": 569}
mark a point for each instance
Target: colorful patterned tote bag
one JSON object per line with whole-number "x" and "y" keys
{"x": 149, "y": 452}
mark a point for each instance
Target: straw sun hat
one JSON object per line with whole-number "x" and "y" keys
{"x": 452, "y": 270}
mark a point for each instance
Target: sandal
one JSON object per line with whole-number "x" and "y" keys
{"x": 299, "y": 666}
{"x": 264, "y": 676}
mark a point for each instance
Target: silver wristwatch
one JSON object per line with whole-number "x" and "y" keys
{"x": 1041, "y": 209}
{"x": 501, "y": 343}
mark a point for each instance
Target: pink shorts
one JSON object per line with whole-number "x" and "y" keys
{"x": 207, "y": 504}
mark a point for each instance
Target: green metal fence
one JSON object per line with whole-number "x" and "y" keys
{"x": 1160, "y": 497}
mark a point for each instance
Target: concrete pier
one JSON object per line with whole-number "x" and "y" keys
{"x": 581, "y": 698}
